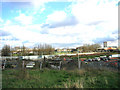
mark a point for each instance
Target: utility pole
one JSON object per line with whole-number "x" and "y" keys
{"x": 78, "y": 60}
{"x": 11, "y": 54}
{"x": 0, "y": 64}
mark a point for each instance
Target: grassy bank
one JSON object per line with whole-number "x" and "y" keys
{"x": 60, "y": 79}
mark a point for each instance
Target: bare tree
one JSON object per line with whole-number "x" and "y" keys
{"x": 24, "y": 51}
{"x": 44, "y": 49}
{"x": 6, "y": 51}
{"x": 35, "y": 51}
{"x": 89, "y": 48}
{"x": 94, "y": 47}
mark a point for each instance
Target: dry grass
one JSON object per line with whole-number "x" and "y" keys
{"x": 78, "y": 72}
{"x": 76, "y": 84}
{"x": 81, "y": 72}
{"x": 106, "y": 81}
{"x": 22, "y": 74}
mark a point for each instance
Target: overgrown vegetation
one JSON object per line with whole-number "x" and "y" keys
{"x": 35, "y": 78}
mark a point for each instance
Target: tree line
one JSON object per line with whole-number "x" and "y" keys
{"x": 89, "y": 48}
{"x": 41, "y": 49}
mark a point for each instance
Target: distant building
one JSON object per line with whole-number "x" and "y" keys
{"x": 79, "y": 49}
{"x": 73, "y": 50}
{"x": 66, "y": 50}
{"x": 104, "y": 44}
{"x": 107, "y": 48}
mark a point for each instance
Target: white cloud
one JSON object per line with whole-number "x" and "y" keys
{"x": 12, "y": 43}
{"x": 8, "y": 22}
{"x": 38, "y": 4}
{"x": 19, "y": 11}
{"x": 42, "y": 10}
{"x": 38, "y": 11}
{"x": 57, "y": 16}
{"x": 60, "y": 19}
{"x": 20, "y": 32}
{"x": 95, "y": 22}
{"x": 23, "y": 19}
{"x": 91, "y": 11}
{"x": 34, "y": 28}
{"x": 1, "y": 20}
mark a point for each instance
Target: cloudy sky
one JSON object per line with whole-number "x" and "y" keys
{"x": 67, "y": 23}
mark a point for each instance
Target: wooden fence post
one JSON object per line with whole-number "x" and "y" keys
{"x": 40, "y": 65}
{"x": 4, "y": 64}
{"x": 78, "y": 61}
{"x": 23, "y": 64}
{"x": 60, "y": 65}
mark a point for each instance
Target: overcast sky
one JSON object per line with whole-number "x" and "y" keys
{"x": 59, "y": 23}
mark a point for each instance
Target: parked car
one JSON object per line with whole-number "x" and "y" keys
{"x": 50, "y": 57}
{"x": 93, "y": 59}
{"x": 14, "y": 66}
{"x": 114, "y": 63}
{"x": 104, "y": 58}
{"x": 97, "y": 59}
{"x": 57, "y": 58}
{"x": 89, "y": 60}
{"x": 30, "y": 65}
{"x": 85, "y": 61}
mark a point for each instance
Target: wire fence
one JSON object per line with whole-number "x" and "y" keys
{"x": 60, "y": 64}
